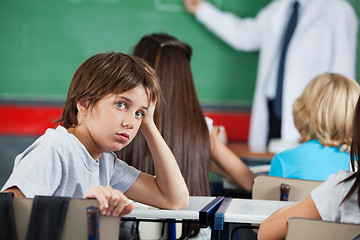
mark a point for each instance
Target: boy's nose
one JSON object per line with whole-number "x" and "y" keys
{"x": 128, "y": 123}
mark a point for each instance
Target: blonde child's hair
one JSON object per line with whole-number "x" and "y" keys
{"x": 325, "y": 110}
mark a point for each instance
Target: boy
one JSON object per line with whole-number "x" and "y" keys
{"x": 110, "y": 97}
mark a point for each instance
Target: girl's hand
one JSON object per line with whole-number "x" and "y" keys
{"x": 112, "y": 202}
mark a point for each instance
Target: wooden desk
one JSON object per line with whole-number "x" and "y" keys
{"x": 243, "y": 151}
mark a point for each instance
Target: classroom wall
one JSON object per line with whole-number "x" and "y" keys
{"x": 42, "y": 43}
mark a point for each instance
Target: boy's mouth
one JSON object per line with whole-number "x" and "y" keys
{"x": 123, "y": 137}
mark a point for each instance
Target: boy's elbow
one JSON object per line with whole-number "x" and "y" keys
{"x": 180, "y": 202}
{"x": 186, "y": 201}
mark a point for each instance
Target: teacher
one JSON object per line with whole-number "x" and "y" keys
{"x": 297, "y": 40}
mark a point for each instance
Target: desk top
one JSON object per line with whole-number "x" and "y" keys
{"x": 243, "y": 151}
{"x": 191, "y": 212}
{"x": 251, "y": 211}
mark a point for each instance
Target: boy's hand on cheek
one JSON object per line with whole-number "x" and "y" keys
{"x": 112, "y": 202}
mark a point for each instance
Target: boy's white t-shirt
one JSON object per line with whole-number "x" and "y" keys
{"x": 58, "y": 164}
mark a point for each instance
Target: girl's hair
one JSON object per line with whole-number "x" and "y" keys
{"x": 179, "y": 118}
{"x": 325, "y": 110}
{"x": 107, "y": 73}
{"x": 355, "y": 156}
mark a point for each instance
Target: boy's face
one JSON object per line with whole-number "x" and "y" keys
{"x": 114, "y": 121}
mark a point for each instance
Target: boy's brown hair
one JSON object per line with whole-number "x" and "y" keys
{"x": 107, "y": 73}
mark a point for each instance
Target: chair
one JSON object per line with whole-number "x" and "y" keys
{"x": 301, "y": 228}
{"x": 75, "y": 226}
{"x": 157, "y": 230}
{"x": 268, "y": 188}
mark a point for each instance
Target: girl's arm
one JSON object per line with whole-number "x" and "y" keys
{"x": 275, "y": 226}
{"x": 228, "y": 164}
{"x": 167, "y": 189}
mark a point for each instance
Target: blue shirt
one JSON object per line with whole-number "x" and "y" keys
{"x": 310, "y": 161}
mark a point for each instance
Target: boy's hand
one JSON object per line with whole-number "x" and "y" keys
{"x": 149, "y": 117}
{"x": 112, "y": 202}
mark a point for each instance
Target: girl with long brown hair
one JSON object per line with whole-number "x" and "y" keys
{"x": 181, "y": 121}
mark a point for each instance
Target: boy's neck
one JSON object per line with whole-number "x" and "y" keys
{"x": 84, "y": 137}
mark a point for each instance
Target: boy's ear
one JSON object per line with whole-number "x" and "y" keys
{"x": 82, "y": 105}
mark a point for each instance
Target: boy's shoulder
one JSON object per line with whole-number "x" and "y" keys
{"x": 60, "y": 137}
{"x": 53, "y": 142}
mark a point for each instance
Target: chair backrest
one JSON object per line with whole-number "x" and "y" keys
{"x": 75, "y": 226}
{"x": 268, "y": 188}
{"x": 301, "y": 228}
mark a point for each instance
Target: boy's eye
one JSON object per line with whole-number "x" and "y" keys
{"x": 121, "y": 105}
{"x": 139, "y": 114}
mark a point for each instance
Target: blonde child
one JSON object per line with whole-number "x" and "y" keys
{"x": 323, "y": 115}
{"x": 336, "y": 200}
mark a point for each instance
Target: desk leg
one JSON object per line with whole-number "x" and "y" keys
{"x": 242, "y": 231}
{"x": 215, "y": 234}
{"x": 171, "y": 231}
{"x": 221, "y": 234}
{"x": 225, "y": 233}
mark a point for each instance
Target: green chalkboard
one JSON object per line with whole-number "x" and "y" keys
{"x": 42, "y": 42}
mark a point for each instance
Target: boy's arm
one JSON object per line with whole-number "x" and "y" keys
{"x": 16, "y": 191}
{"x": 112, "y": 202}
{"x": 168, "y": 188}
